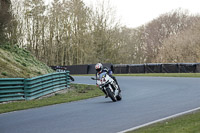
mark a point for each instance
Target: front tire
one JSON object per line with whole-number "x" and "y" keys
{"x": 119, "y": 97}
{"x": 111, "y": 94}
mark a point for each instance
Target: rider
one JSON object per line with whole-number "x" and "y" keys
{"x": 100, "y": 69}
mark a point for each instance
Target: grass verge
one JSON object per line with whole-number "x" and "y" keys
{"x": 154, "y": 75}
{"x": 188, "y": 123}
{"x": 74, "y": 93}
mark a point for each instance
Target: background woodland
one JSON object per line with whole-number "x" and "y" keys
{"x": 67, "y": 32}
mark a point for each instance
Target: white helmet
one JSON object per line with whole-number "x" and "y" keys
{"x": 98, "y": 67}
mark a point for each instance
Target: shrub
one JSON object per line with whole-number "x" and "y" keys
{"x": 4, "y": 73}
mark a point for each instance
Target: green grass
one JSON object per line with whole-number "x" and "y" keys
{"x": 16, "y": 62}
{"x": 189, "y": 123}
{"x": 75, "y": 93}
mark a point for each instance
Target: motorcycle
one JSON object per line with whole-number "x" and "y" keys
{"x": 106, "y": 83}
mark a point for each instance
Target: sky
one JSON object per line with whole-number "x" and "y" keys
{"x": 134, "y": 13}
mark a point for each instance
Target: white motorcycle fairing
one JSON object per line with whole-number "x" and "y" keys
{"x": 107, "y": 83}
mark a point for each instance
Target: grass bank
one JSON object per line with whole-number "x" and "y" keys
{"x": 74, "y": 93}
{"x": 16, "y": 62}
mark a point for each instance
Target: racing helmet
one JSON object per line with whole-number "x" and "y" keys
{"x": 98, "y": 67}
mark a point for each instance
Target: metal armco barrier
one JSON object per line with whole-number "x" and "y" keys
{"x": 13, "y": 89}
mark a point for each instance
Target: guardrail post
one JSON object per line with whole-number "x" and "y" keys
{"x": 25, "y": 89}
{"x": 67, "y": 78}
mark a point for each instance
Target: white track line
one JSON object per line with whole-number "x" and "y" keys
{"x": 163, "y": 119}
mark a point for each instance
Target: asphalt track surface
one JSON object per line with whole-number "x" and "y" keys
{"x": 145, "y": 99}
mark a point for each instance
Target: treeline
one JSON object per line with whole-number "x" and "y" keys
{"x": 68, "y": 32}
{"x": 5, "y": 18}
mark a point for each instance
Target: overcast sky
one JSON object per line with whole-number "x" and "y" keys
{"x": 134, "y": 13}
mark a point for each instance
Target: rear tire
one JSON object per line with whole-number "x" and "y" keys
{"x": 111, "y": 95}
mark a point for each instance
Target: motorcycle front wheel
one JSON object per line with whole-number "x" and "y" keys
{"x": 119, "y": 97}
{"x": 111, "y": 94}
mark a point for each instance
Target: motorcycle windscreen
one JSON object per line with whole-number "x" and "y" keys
{"x": 102, "y": 75}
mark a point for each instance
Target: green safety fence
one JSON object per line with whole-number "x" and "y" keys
{"x": 13, "y": 89}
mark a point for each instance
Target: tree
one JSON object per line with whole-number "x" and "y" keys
{"x": 132, "y": 46}
{"x": 5, "y": 18}
{"x": 166, "y": 25}
{"x": 104, "y": 30}
{"x": 182, "y": 48}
